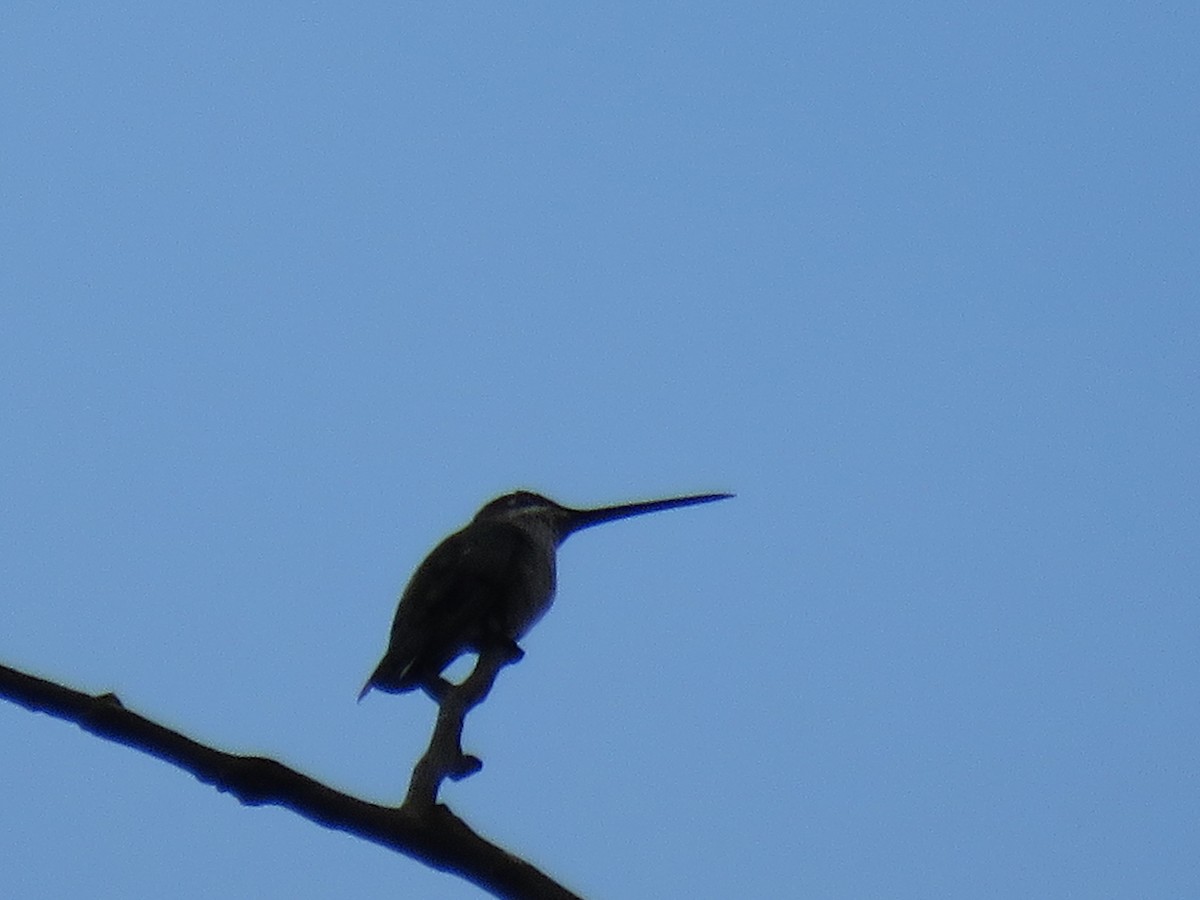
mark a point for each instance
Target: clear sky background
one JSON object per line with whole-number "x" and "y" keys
{"x": 289, "y": 291}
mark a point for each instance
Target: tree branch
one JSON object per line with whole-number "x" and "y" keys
{"x": 445, "y": 758}
{"x": 421, "y": 828}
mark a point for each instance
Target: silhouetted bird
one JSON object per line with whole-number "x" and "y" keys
{"x": 487, "y": 585}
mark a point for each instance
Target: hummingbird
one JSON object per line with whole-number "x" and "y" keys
{"x": 486, "y": 585}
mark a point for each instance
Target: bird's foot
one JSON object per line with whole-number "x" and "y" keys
{"x": 513, "y": 651}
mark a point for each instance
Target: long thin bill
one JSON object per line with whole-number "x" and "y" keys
{"x": 586, "y": 518}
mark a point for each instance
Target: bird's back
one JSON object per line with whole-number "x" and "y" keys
{"x": 491, "y": 580}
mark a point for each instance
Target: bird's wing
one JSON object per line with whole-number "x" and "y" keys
{"x": 448, "y": 603}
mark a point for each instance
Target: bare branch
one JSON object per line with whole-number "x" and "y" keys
{"x": 421, "y": 828}
{"x": 445, "y": 758}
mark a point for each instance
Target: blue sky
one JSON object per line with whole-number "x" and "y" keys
{"x": 288, "y": 292}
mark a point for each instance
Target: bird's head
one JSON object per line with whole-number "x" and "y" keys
{"x": 517, "y": 506}
{"x": 528, "y": 508}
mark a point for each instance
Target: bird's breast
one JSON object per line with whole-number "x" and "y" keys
{"x": 534, "y": 592}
